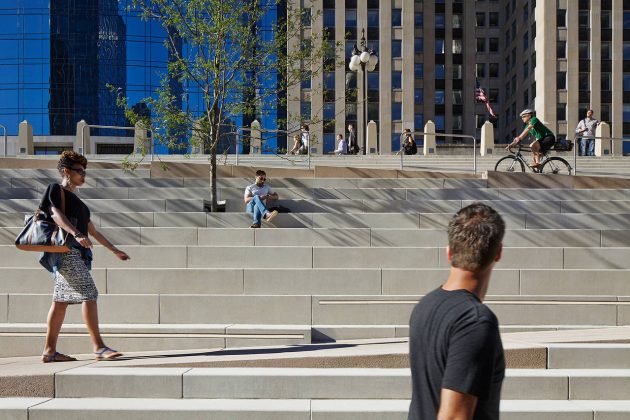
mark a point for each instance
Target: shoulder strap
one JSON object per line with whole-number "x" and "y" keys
{"x": 63, "y": 200}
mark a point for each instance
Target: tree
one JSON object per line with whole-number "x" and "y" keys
{"x": 218, "y": 51}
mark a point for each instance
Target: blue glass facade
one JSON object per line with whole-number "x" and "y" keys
{"x": 58, "y": 56}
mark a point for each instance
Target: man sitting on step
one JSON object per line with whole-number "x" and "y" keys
{"x": 256, "y": 196}
{"x": 455, "y": 350}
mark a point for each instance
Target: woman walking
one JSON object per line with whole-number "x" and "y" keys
{"x": 71, "y": 270}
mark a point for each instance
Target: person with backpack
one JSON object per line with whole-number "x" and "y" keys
{"x": 409, "y": 145}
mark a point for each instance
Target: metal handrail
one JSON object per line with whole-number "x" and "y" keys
{"x": 5, "y": 139}
{"x": 113, "y": 127}
{"x": 461, "y": 136}
{"x": 612, "y": 139}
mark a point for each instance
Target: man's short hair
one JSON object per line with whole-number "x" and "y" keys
{"x": 475, "y": 235}
{"x": 260, "y": 172}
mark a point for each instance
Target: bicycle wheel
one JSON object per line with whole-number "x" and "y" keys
{"x": 556, "y": 165}
{"x": 509, "y": 164}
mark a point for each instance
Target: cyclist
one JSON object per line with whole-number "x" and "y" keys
{"x": 544, "y": 138}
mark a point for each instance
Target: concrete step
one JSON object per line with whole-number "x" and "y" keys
{"x": 593, "y": 356}
{"x": 412, "y": 220}
{"x": 54, "y": 173}
{"x": 91, "y": 182}
{"x": 112, "y": 205}
{"x": 324, "y": 281}
{"x": 25, "y": 339}
{"x": 350, "y": 237}
{"x": 175, "y": 256}
{"x": 230, "y": 409}
{"x": 315, "y": 309}
{"x": 332, "y": 384}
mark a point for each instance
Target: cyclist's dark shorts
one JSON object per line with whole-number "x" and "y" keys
{"x": 547, "y": 143}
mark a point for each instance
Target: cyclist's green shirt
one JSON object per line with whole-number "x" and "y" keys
{"x": 538, "y": 129}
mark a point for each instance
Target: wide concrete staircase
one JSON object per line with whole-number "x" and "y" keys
{"x": 348, "y": 263}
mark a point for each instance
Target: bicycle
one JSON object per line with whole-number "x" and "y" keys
{"x": 550, "y": 165}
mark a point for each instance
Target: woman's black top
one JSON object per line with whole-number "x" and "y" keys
{"x": 76, "y": 210}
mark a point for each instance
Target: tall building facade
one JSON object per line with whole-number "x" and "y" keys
{"x": 559, "y": 57}
{"x": 60, "y": 58}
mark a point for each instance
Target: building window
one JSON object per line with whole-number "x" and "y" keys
{"x": 396, "y": 111}
{"x": 606, "y": 81}
{"x": 396, "y": 17}
{"x": 480, "y": 19}
{"x": 525, "y": 98}
{"x": 329, "y": 111}
{"x": 306, "y": 17}
{"x": 418, "y": 122}
{"x": 439, "y": 71}
{"x": 351, "y": 112}
{"x": 305, "y": 83}
{"x": 481, "y": 44}
{"x": 329, "y": 18}
{"x": 439, "y": 20}
{"x": 561, "y": 80}
{"x": 493, "y": 69}
{"x": 305, "y": 110}
{"x": 606, "y": 19}
{"x": 396, "y": 48}
{"x": 418, "y": 19}
{"x": 457, "y": 122}
{"x": 493, "y": 19}
{"x": 525, "y": 41}
{"x": 626, "y": 112}
{"x": 457, "y": 97}
{"x": 584, "y": 19}
{"x": 396, "y": 80}
{"x": 493, "y": 44}
{"x": 525, "y": 13}
{"x": 373, "y": 18}
{"x": 351, "y": 18}
{"x": 584, "y": 52}
{"x": 605, "y": 110}
{"x": 626, "y": 50}
{"x": 457, "y": 71}
{"x": 584, "y": 81}
{"x": 605, "y": 50}
{"x": 457, "y": 46}
{"x": 418, "y": 45}
{"x": 418, "y": 96}
{"x": 418, "y": 70}
{"x": 626, "y": 82}
{"x": 439, "y": 122}
{"x": 493, "y": 95}
{"x": 439, "y": 97}
{"x": 439, "y": 46}
{"x": 626, "y": 19}
{"x": 561, "y": 18}
{"x": 457, "y": 21}
{"x": 525, "y": 69}
{"x": 480, "y": 70}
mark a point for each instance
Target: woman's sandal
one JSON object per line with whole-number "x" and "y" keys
{"x": 111, "y": 354}
{"x": 57, "y": 357}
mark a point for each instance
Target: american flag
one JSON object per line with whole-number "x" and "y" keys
{"x": 480, "y": 96}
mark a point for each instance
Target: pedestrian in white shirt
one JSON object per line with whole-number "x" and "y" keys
{"x": 586, "y": 130}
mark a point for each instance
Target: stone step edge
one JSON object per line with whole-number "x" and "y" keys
{"x": 304, "y": 408}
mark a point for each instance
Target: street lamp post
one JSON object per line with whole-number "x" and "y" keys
{"x": 365, "y": 60}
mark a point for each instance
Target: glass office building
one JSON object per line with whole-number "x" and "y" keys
{"x": 57, "y": 58}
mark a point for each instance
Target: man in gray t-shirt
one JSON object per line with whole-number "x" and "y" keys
{"x": 455, "y": 350}
{"x": 255, "y": 198}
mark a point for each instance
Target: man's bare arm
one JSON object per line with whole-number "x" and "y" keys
{"x": 456, "y": 405}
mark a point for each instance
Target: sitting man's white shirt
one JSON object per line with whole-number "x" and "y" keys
{"x": 342, "y": 148}
{"x": 254, "y": 189}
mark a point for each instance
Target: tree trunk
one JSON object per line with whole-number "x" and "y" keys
{"x": 213, "y": 176}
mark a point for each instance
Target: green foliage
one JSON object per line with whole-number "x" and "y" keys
{"x": 214, "y": 49}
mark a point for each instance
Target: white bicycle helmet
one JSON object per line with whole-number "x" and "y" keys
{"x": 526, "y": 112}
